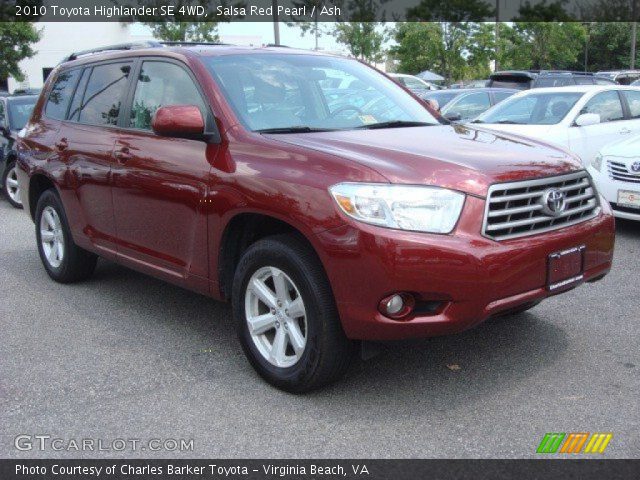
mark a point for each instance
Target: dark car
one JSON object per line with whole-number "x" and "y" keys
{"x": 523, "y": 80}
{"x": 471, "y": 102}
{"x": 223, "y": 169}
{"x": 14, "y": 114}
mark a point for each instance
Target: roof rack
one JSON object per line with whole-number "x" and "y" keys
{"x": 133, "y": 46}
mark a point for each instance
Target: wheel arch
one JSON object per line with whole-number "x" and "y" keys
{"x": 38, "y": 184}
{"x": 244, "y": 229}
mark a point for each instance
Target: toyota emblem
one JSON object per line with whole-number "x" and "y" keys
{"x": 635, "y": 167}
{"x": 554, "y": 202}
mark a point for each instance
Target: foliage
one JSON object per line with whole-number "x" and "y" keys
{"x": 363, "y": 39}
{"x": 185, "y": 31}
{"x": 16, "y": 41}
{"x": 609, "y": 46}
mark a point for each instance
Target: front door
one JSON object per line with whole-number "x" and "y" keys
{"x": 587, "y": 141}
{"x": 160, "y": 183}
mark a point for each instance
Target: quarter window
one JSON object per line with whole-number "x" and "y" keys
{"x": 103, "y": 96}
{"x": 607, "y": 105}
{"x": 76, "y": 103}
{"x": 161, "y": 84}
{"x": 60, "y": 95}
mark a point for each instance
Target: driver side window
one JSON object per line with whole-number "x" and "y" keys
{"x": 607, "y": 105}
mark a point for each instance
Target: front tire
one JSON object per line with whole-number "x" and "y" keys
{"x": 63, "y": 260}
{"x": 10, "y": 186}
{"x": 286, "y": 317}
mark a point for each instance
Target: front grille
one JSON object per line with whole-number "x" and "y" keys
{"x": 517, "y": 209}
{"x": 619, "y": 171}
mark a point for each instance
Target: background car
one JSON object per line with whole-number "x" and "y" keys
{"x": 581, "y": 118}
{"x": 469, "y": 103}
{"x": 415, "y": 84}
{"x": 622, "y": 77}
{"x": 526, "y": 79}
{"x": 14, "y": 114}
{"x": 616, "y": 172}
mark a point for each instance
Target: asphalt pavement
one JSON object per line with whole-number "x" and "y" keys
{"x": 125, "y": 356}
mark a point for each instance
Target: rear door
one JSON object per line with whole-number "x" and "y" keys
{"x": 88, "y": 137}
{"x": 631, "y": 102}
{"x": 587, "y": 141}
{"x": 160, "y": 183}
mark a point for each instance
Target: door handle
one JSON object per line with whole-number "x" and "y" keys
{"x": 122, "y": 154}
{"x": 62, "y": 144}
{"x": 624, "y": 131}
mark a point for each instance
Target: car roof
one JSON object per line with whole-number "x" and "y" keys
{"x": 578, "y": 89}
{"x": 178, "y": 50}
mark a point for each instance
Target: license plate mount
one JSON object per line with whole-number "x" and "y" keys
{"x": 565, "y": 269}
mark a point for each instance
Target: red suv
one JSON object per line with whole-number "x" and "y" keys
{"x": 313, "y": 192}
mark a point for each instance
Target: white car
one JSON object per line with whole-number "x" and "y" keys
{"x": 580, "y": 118}
{"x": 616, "y": 172}
{"x": 412, "y": 82}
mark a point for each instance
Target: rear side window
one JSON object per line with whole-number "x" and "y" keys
{"x": 102, "y": 98}
{"x": 605, "y": 104}
{"x": 60, "y": 95}
{"x": 161, "y": 84}
{"x": 633, "y": 99}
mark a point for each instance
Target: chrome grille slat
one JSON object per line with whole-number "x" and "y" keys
{"x": 619, "y": 171}
{"x": 515, "y": 209}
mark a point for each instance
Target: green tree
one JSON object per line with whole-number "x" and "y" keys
{"x": 609, "y": 46}
{"x": 456, "y": 50}
{"x": 363, "y": 39}
{"x": 185, "y": 31}
{"x": 16, "y": 40}
{"x": 543, "y": 45}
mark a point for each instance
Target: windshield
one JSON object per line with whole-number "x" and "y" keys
{"x": 19, "y": 112}
{"x": 532, "y": 109}
{"x": 273, "y": 91}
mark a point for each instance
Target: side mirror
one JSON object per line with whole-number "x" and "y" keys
{"x": 587, "y": 119}
{"x": 453, "y": 116}
{"x": 181, "y": 121}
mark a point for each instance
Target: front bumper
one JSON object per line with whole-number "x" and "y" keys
{"x": 609, "y": 187}
{"x": 472, "y": 277}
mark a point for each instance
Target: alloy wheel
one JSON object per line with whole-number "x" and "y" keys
{"x": 52, "y": 237}
{"x": 13, "y": 190}
{"x": 276, "y": 316}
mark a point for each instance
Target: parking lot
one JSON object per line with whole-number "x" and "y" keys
{"x": 127, "y": 356}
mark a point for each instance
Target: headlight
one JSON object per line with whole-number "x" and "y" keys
{"x": 597, "y": 162}
{"x": 417, "y": 208}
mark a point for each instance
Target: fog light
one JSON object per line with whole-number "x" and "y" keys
{"x": 394, "y": 305}
{"x": 397, "y": 305}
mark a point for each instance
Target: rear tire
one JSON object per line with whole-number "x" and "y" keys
{"x": 63, "y": 260}
{"x": 10, "y": 185}
{"x": 295, "y": 340}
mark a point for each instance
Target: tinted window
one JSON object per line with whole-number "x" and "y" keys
{"x": 500, "y": 96}
{"x": 533, "y": 109}
{"x": 469, "y": 106}
{"x": 585, "y": 80}
{"x": 510, "y": 81}
{"x": 103, "y": 96}
{"x": 441, "y": 97}
{"x": 603, "y": 81}
{"x": 607, "y": 105}
{"x": 60, "y": 95}
{"x": 74, "y": 111}
{"x": 161, "y": 84}
{"x": 633, "y": 99}
{"x": 551, "y": 82}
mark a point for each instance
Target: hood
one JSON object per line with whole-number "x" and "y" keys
{"x": 627, "y": 148}
{"x": 459, "y": 157}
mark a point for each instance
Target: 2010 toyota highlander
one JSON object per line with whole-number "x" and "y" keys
{"x": 325, "y": 201}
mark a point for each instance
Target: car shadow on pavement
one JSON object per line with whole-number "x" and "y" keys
{"x": 193, "y": 338}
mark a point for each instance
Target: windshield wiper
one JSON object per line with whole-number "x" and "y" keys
{"x": 509, "y": 122}
{"x": 395, "y": 124}
{"x": 296, "y": 129}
